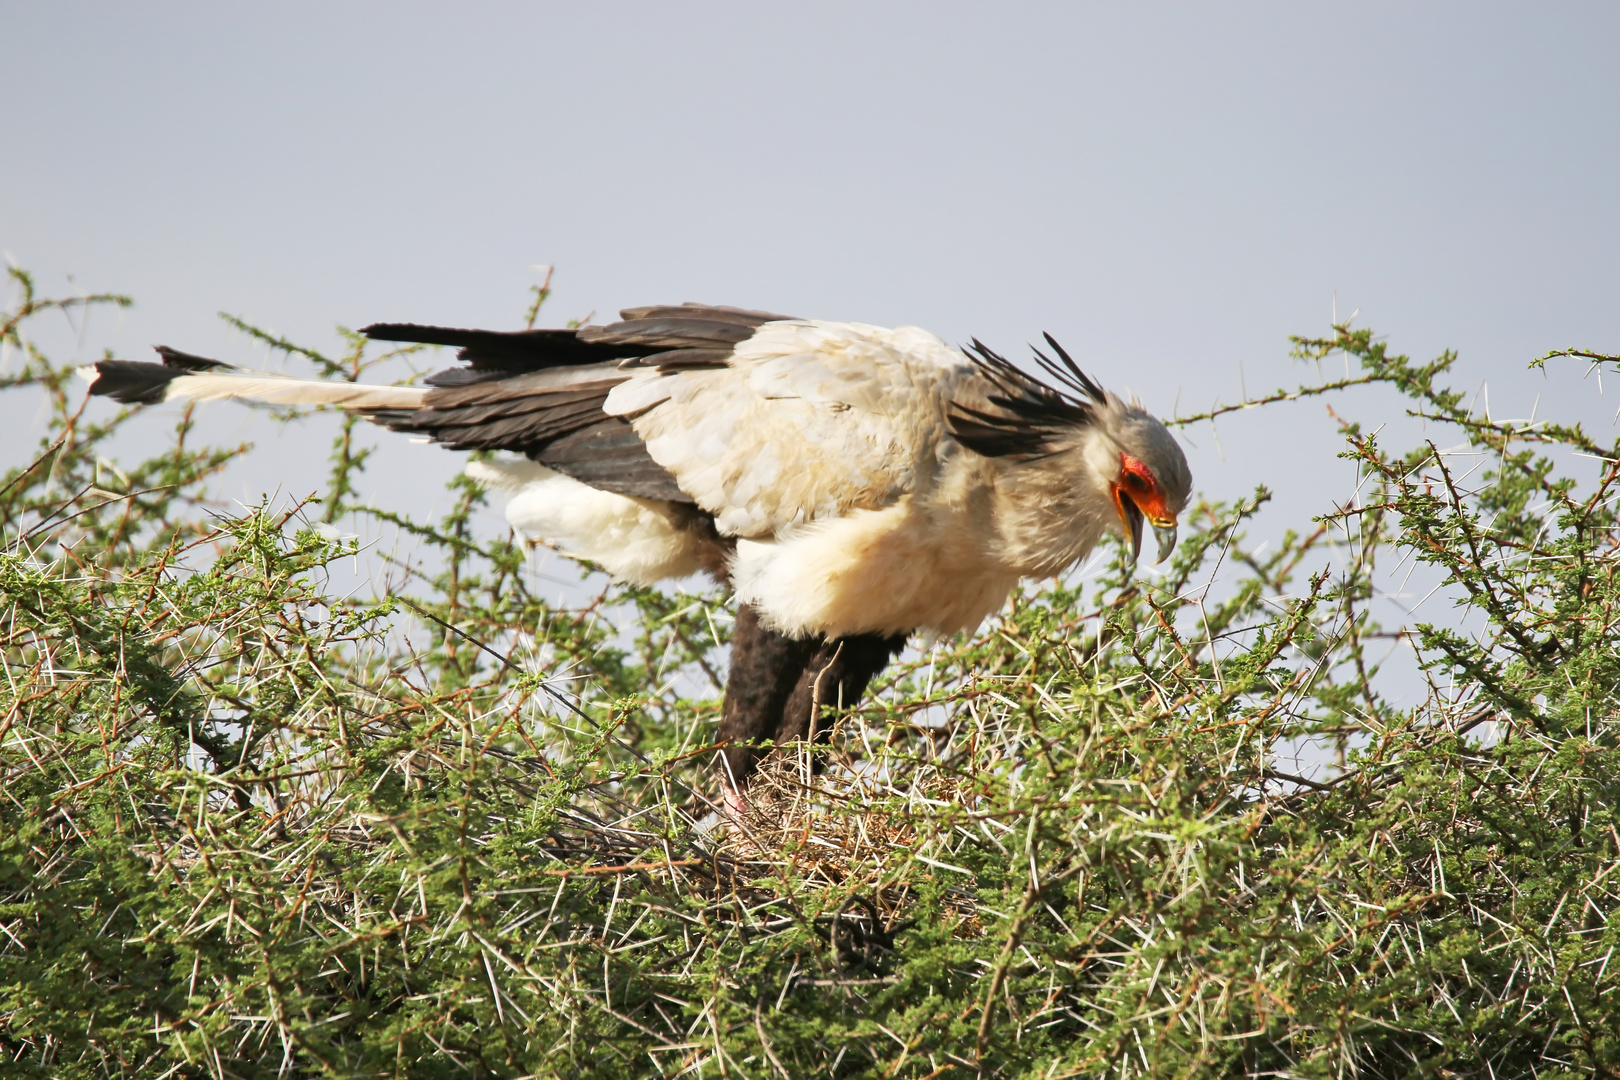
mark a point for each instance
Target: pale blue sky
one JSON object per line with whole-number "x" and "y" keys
{"x": 1171, "y": 189}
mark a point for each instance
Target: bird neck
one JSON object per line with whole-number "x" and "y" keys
{"x": 1050, "y": 512}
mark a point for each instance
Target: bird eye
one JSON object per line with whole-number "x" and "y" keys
{"x": 1135, "y": 482}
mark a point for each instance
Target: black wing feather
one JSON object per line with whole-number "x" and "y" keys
{"x": 713, "y": 312}
{"x": 668, "y": 333}
{"x": 610, "y": 455}
{"x": 499, "y": 354}
{"x": 499, "y": 401}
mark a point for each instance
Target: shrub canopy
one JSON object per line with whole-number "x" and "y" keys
{"x": 250, "y": 827}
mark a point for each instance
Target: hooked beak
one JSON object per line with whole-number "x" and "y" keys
{"x": 1131, "y": 516}
{"x": 1167, "y": 540}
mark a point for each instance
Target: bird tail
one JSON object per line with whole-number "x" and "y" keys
{"x": 183, "y": 377}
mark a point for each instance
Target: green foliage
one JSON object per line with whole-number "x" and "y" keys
{"x": 249, "y": 827}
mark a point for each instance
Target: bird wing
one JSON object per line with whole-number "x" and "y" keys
{"x": 762, "y": 420}
{"x": 805, "y": 421}
{"x": 540, "y": 392}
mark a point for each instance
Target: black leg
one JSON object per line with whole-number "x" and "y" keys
{"x": 836, "y": 675}
{"x": 765, "y": 668}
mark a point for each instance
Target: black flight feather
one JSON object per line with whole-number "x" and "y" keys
{"x": 492, "y": 404}
{"x": 715, "y": 312}
{"x": 496, "y": 354}
{"x": 668, "y": 333}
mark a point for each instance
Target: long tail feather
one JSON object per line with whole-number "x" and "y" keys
{"x": 187, "y": 378}
{"x": 275, "y": 390}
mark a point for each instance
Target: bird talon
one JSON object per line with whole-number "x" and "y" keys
{"x": 734, "y": 803}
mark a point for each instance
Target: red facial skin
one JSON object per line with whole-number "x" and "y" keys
{"x": 1137, "y": 482}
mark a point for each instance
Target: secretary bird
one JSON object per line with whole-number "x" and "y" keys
{"x": 851, "y": 484}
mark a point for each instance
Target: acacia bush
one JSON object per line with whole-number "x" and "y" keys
{"x": 252, "y": 827}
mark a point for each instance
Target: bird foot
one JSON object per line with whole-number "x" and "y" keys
{"x": 734, "y": 802}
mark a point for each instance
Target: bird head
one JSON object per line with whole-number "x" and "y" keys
{"x": 1147, "y": 474}
{"x": 1082, "y": 453}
